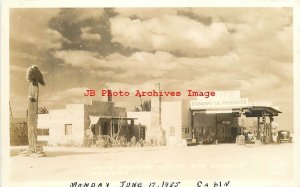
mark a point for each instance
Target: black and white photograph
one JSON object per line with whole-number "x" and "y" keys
{"x": 150, "y": 97}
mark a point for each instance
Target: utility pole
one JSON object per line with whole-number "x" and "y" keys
{"x": 159, "y": 105}
{"x": 141, "y": 103}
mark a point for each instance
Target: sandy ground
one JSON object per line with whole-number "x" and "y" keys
{"x": 222, "y": 161}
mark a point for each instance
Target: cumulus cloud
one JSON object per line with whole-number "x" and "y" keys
{"x": 145, "y": 13}
{"x": 164, "y": 66}
{"x": 266, "y": 33}
{"x": 79, "y": 58}
{"x": 176, "y": 72}
{"x": 88, "y": 13}
{"x": 17, "y": 68}
{"x": 31, "y": 27}
{"x": 55, "y": 39}
{"x": 59, "y": 99}
{"x": 172, "y": 33}
{"x": 115, "y": 86}
{"x": 247, "y": 49}
{"x": 119, "y": 66}
{"x": 86, "y": 35}
{"x": 74, "y": 15}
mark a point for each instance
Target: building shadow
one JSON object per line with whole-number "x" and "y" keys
{"x": 70, "y": 153}
{"x": 16, "y": 152}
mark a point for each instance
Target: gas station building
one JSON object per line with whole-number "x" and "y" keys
{"x": 222, "y": 118}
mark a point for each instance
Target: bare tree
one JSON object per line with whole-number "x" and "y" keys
{"x": 146, "y": 105}
{"x": 136, "y": 109}
{"x": 34, "y": 77}
{"x": 120, "y": 123}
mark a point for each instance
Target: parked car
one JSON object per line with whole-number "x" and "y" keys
{"x": 284, "y": 136}
{"x": 191, "y": 141}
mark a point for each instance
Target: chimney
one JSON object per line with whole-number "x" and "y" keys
{"x": 109, "y": 96}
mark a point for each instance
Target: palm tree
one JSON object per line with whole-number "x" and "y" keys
{"x": 34, "y": 77}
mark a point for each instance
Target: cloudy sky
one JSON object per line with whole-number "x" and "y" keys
{"x": 247, "y": 49}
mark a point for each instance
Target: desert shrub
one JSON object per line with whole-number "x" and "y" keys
{"x": 143, "y": 143}
{"x": 133, "y": 141}
{"x": 87, "y": 142}
{"x": 147, "y": 143}
{"x": 123, "y": 141}
{"x": 138, "y": 144}
{"x": 18, "y": 133}
{"x": 118, "y": 141}
{"x": 103, "y": 141}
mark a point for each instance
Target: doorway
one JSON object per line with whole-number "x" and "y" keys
{"x": 234, "y": 133}
{"x": 104, "y": 128}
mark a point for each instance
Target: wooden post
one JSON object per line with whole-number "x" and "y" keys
{"x": 192, "y": 122}
{"x": 131, "y": 128}
{"x": 258, "y": 129}
{"x": 216, "y": 135}
{"x": 139, "y": 131}
{"x": 111, "y": 128}
{"x": 271, "y": 134}
{"x": 266, "y": 136}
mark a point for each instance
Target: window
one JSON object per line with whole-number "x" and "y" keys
{"x": 172, "y": 131}
{"x": 43, "y": 132}
{"x": 68, "y": 129}
{"x": 185, "y": 130}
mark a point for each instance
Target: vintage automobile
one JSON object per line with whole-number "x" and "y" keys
{"x": 284, "y": 136}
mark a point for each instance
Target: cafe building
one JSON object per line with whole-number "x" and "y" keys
{"x": 78, "y": 123}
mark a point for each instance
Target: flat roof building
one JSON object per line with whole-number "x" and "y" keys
{"x": 203, "y": 120}
{"x": 69, "y": 126}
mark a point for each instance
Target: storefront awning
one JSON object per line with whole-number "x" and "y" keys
{"x": 249, "y": 111}
{"x": 94, "y": 119}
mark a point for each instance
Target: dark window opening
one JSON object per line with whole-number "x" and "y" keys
{"x": 68, "y": 129}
